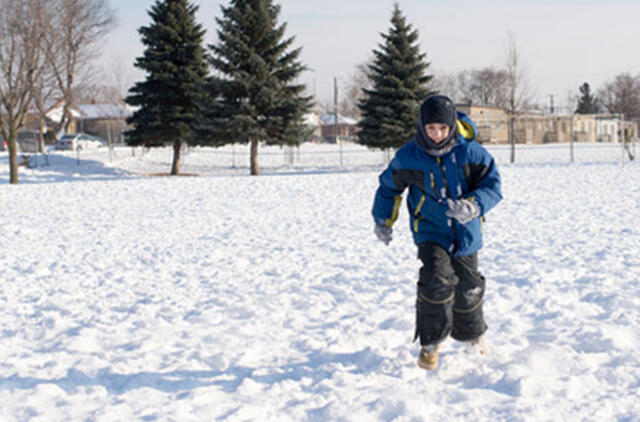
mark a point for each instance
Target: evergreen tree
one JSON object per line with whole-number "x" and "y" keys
{"x": 399, "y": 86}
{"x": 174, "y": 60}
{"x": 587, "y": 102}
{"x": 254, "y": 97}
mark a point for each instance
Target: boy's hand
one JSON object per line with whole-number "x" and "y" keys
{"x": 462, "y": 210}
{"x": 384, "y": 233}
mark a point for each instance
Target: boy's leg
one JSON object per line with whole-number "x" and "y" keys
{"x": 435, "y": 296}
{"x": 468, "y": 321}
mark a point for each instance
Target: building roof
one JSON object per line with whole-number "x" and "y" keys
{"x": 92, "y": 111}
{"x": 330, "y": 119}
{"x": 55, "y": 113}
{"x": 104, "y": 111}
{"x": 311, "y": 119}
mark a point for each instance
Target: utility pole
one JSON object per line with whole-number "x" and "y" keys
{"x": 335, "y": 107}
{"x": 622, "y": 138}
{"x": 571, "y": 138}
{"x": 314, "y": 88}
{"x": 336, "y": 127}
{"x": 551, "y": 110}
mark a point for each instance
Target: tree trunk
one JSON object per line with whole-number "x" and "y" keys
{"x": 175, "y": 167}
{"x": 255, "y": 168}
{"x": 12, "y": 144}
{"x": 65, "y": 121}
{"x": 512, "y": 138}
{"x": 43, "y": 124}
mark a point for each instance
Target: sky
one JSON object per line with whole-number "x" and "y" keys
{"x": 562, "y": 43}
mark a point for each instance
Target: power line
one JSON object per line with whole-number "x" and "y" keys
{"x": 582, "y": 75}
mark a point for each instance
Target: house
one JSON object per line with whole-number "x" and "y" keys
{"x": 345, "y": 130}
{"x": 106, "y": 120}
{"x": 537, "y": 128}
{"x": 313, "y": 121}
{"x": 492, "y": 122}
{"x": 608, "y": 129}
{"x": 54, "y": 116}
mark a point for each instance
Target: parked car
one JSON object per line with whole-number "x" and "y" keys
{"x": 28, "y": 141}
{"x": 78, "y": 141}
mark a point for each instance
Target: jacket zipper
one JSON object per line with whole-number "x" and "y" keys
{"x": 448, "y": 195}
{"x": 415, "y": 214}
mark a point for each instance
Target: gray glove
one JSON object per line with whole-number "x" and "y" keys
{"x": 462, "y": 210}
{"x": 384, "y": 233}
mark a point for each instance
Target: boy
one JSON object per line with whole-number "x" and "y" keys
{"x": 453, "y": 182}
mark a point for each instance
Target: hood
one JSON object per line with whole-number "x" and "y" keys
{"x": 464, "y": 131}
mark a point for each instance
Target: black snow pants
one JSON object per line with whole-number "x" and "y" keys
{"x": 450, "y": 292}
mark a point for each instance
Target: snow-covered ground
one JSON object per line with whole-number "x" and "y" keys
{"x": 228, "y": 297}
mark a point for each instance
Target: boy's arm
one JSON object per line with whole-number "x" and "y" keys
{"x": 484, "y": 180}
{"x": 388, "y": 198}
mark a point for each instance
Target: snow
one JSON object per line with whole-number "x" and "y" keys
{"x": 330, "y": 119}
{"x": 105, "y": 111}
{"x": 93, "y": 111}
{"x": 235, "y": 298}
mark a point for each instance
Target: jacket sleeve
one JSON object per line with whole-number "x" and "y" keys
{"x": 484, "y": 179}
{"x": 388, "y": 198}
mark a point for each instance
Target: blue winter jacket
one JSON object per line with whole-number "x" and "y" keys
{"x": 467, "y": 171}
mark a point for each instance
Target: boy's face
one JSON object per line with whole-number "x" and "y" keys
{"x": 438, "y": 132}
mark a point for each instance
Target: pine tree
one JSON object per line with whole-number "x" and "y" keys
{"x": 174, "y": 60}
{"x": 587, "y": 103}
{"x": 253, "y": 97}
{"x": 399, "y": 86}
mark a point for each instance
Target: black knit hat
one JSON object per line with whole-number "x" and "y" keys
{"x": 438, "y": 109}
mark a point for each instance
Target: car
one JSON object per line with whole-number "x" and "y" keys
{"x": 78, "y": 141}
{"x": 28, "y": 141}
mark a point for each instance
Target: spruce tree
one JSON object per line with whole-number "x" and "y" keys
{"x": 587, "y": 103}
{"x": 253, "y": 97}
{"x": 174, "y": 60}
{"x": 399, "y": 86}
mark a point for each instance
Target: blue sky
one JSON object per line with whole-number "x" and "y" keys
{"x": 563, "y": 43}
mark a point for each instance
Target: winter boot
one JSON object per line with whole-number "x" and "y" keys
{"x": 477, "y": 345}
{"x": 428, "y": 358}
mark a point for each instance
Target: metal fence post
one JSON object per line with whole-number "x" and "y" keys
{"x": 623, "y": 139}
{"x": 571, "y": 137}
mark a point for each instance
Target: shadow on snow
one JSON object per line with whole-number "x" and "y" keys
{"x": 320, "y": 366}
{"x": 56, "y": 168}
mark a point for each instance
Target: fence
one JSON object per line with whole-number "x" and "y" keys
{"x": 314, "y": 157}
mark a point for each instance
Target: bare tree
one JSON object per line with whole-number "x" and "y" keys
{"x": 79, "y": 25}
{"x": 485, "y": 86}
{"x": 446, "y": 83}
{"x": 354, "y": 91}
{"x": 572, "y": 102}
{"x": 44, "y": 88}
{"x": 622, "y": 95}
{"x": 22, "y": 61}
{"x": 518, "y": 89}
{"x": 489, "y": 86}
{"x": 44, "y": 92}
{"x": 116, "y": 79}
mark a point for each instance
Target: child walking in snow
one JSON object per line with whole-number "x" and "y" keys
{"x": 453, "y": 182}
